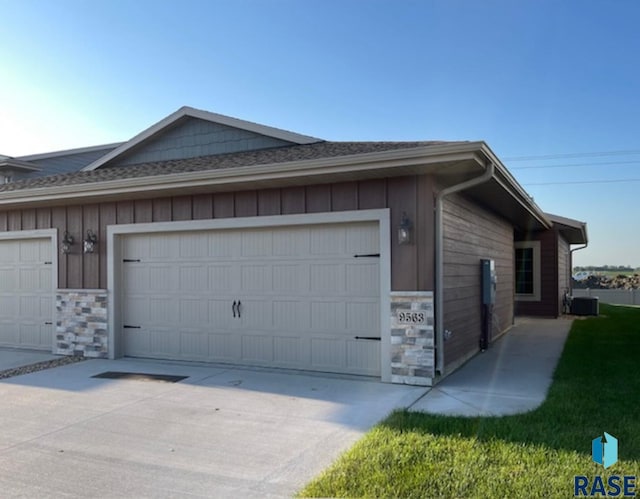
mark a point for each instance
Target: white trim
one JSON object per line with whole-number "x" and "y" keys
{"x": 536, "y": 295}
{"x": 382, "y": 216}
{"x": 51, "y": 234}
{"x": 187, "y": 111}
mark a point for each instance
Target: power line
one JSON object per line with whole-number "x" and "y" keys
{"x": 575, "y": 182}
{"x": 573, "y": 155}
{"x": 571, "y": 165}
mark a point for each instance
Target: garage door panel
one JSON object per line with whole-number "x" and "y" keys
{"x": 30, "y": 335}
{"x": 363, "y": 318}
{"x": 256, "y": 278}
{"x": 300, "y": 307}
{"x": 194, "y": 344}
{"x": 7, "y": 305}
{"x": 193, "y": 311}
{"x": 220, "y": 277}
{"x": 162, "y": 278}
{"x": 257, "y": 243}
{"x": 328, "y": 354}
{"x": 9, "y": 334}
{"x": 329, "y": 240}
{"x": 225, "y": 347}
{"x": 362, "y": 279}
{"x": 291, "y": 278}
{"x": 220, "y": 314}
{"x": 328, "y": 278}
{"x": 328, "y": 316}
{"x": 255, "y": 314}
{"x": 161, "y": 310}
{"x": 362, "y": 354}
{"x": 291, "y": 315}
{"x": 291, "y": 351}
{"x": 257, "y": 348}
{"x": 135, "y": 247}
{"x": 192, "y": 279}
{"x": 7, "y": 279}
{"x": 361, "y": 240}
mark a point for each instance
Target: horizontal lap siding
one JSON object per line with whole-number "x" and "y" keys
{"x": 471, "y": 234}
{"x": 412, "y": 265}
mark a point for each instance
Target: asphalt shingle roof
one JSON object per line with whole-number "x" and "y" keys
{"x": 317, "y": 150}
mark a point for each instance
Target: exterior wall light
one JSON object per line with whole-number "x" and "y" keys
{"x": 90, "y": 242}
{"x": 404, "y": 229}
{"x": 67, "y": 242}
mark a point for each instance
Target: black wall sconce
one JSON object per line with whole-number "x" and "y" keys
{"x": 67, "y": 242}
{"x": 404, "y": 229}
{"x": 90, "y": 242}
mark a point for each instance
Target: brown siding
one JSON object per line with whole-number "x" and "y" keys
{"x": 472, "y": 233}
{"x": 412, "y": 265}
{"x": 548, "y": 306}
{"x": 564, "y": 270}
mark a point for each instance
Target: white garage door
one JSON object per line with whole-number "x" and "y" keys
{"x": 26, "y": 294}
{"x": 296, "y": 297}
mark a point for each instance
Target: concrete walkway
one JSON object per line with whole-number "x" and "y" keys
{"x": 10, "y": 358}
{"x": 511, "y": 377}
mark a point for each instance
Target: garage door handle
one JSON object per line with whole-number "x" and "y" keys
{"x": 374, "y": 338}
{"x": 127, "y": 326}
{"x": 239, "y": 304}
{"x": 233, "y": 309}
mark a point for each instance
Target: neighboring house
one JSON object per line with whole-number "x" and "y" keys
{"x": 209, "y": 238}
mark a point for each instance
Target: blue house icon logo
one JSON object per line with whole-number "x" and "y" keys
{"x": 604, "y": 450}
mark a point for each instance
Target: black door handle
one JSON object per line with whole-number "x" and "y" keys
{"x": 233, "y": 309}
{"x": 239, "y": 303}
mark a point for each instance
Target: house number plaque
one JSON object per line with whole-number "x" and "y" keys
{"x": 411, "y": 317}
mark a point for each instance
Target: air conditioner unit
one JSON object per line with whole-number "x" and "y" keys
{"x": 584, "y": 305}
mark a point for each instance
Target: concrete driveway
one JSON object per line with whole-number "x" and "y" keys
{"x": 222, "y": 432}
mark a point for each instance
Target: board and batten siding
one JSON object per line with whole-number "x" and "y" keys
{"x": 412, "y": 265}
{"x": 472, "y": 233}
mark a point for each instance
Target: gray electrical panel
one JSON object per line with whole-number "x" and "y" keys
{"x": 489, "y": 281}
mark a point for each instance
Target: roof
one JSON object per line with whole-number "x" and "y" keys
{"x": 297, "y": 153}
{"x": 574, "y": 231}
{"x": 189, "y": 112}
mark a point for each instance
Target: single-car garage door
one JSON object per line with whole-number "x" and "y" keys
{"x": 26, "y": 294}
{"x": 300, "y": 297}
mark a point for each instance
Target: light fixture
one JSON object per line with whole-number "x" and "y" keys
{"x": 404, "y": 229}
{"x": 90, "y": 242}
{"x": 67, "y": 242}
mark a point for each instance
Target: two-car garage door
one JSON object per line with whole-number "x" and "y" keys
{"x": 301, "y": 297}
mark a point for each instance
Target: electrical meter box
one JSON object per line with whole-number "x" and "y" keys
{"x": 489, "y": 281}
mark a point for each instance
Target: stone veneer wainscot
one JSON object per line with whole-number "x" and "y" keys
{"x": 81, "y": 322}
{"x": 412, "y": 345}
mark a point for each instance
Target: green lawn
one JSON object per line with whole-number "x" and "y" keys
{"x": 596, "y": 388}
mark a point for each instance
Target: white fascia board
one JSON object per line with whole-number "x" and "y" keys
{"x": 186, "y": 111}
{"x": 398, "y": 158}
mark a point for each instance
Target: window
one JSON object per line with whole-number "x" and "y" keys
{"x": 527, "y": 262}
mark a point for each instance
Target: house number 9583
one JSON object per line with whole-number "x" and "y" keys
{"x": 410, "y": 317}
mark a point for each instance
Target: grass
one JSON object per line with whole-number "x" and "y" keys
{"x": 596, "y": 388}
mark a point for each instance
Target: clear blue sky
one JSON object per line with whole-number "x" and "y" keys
{"x": 531, "y": 78}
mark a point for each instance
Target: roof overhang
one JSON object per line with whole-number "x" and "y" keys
{"x": 573, "y": 231}
{"x": 448, "y": 163}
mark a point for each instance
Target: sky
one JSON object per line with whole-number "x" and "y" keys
{"x": 552, "y": 86}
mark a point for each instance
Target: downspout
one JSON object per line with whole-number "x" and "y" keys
{"x": 439, "y": 273}
{"x": 571, "y": 264}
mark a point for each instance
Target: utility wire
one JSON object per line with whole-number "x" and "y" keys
{"x": 574, "y": 155}
{"x": 575, "y": 182}
{"x": 571, "y": 165}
